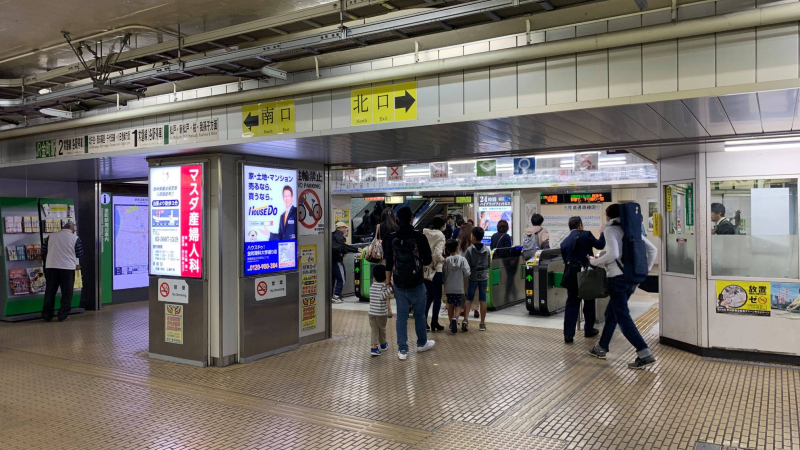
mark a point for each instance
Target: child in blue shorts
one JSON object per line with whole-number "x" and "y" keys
{"x": 479, "y": 258}
{"x": 455, "y": 269}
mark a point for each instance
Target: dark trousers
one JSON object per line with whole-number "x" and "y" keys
{"x": 434, "y": 297}
{"x": 65, "y": 279}
{"x": 617, "y": 313}
{"x": 571, "y": 312}
{"x": 339, "y": 276}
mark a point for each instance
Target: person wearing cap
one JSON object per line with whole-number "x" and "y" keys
{"x": 340, "y": 248}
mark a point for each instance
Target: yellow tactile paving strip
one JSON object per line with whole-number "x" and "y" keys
{"x": 90, "y": 382}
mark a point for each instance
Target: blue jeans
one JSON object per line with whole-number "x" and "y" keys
{"x": 339, "y": 275}
{"x": 413, "y": 297}
{"x": 617, "y": 313}
{"x": 480, "y": 286}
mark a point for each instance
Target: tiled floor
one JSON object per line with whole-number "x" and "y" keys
{"x": 87, "y": 384}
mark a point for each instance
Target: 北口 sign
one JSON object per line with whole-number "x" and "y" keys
{"x": 310, "y": 211}
{"x": 270, "y": 219}
{"x": 270, "y": 287}
{"x": 193, "y": 132}
{"x": 176, "y": 221}
{"x": 383, "y": 103}
{"x": 746, "y": 298}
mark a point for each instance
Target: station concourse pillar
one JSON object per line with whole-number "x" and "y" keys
{"x": 204, "y": 310}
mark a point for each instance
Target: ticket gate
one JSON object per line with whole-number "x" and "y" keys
{"x": 350, "y": 264}
{"x": 506, "y": 285}
{"x": 544, "y": 294}
{"x": 362, "y": 277}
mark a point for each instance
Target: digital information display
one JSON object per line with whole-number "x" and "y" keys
{"x": 176, "y": 221}
{"x": 131, "y": 219}
{"x": 493, "y": 208}
{"x": 270, "y": 219}
{"x": 585, "y": 197}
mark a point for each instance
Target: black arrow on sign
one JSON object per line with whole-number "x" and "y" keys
{"x": 250, "y": 121}
{"x": 406, "y": 101}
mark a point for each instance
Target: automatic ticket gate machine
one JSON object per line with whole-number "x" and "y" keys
{"x": 544, "y": 273}
{"x": 506, "y": 285}
{"x": 362, "y": 276}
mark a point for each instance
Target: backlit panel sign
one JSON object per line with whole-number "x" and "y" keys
{"x": 394, "y": 200}
{"x": 462, "y": 200}
{"x": 585, "y": 197}
{"x": 270, "y": 219}
{"x": 176, "y": 221}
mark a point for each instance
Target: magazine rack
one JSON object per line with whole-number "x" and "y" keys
{"x": 25, "y": 224}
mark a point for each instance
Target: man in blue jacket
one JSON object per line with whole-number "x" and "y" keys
{"x": 287, "y": 229}
{"x": 575, "y": 249}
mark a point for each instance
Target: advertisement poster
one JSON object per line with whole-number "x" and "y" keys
{"x": 786, "y": 300}
{"x": 270, "y": 219}
{"x": 310, "y": 185}
{"x": 173, "y": 324}
{"x": 308, "y": 313}
{"x": 493, "y": 208}
{"x": 394, "y": 173}
{"x": 744, "y": 298}
{"x": 176, "y": 221}
{"x": 343, "y": 215}
{"x": 308, "y": 270}
{"x": 308, "y": 282}
{"x": 131, "y": 219}
{"x": 652, "y": 210}
{"x": 352, "y": 176}
{"x": 55, "y": 211}
{"x": 369, "y": 175}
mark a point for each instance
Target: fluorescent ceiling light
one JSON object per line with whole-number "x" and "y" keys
{"x": 56, "y": 113}
{"x": 744, "y": 148}
{"x": 613, "y": 163}
{"x": 762, "y": 141}
{"x": 556, "y": 155}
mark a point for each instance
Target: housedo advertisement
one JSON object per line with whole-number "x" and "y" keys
{"x": 176, "y": 221}
{"x": 270, "y": 220}
{"x": 493, "y": 208}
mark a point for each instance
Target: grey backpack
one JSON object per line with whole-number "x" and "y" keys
{"x": 530, "y": 245}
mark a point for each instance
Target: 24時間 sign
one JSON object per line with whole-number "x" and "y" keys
{"x": 176, "y": 221}
{"x": 270, "y": 220}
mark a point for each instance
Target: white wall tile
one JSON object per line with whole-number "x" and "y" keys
{"x": 592, "y": 75}
{"x": 660, "y": 67}
{"x": 304, "y": 113}
{"x": 561, "y": 79}
{"x": 625, "y": 71}
{"x": 428, "y": 97}
{"x": 697, "y": 67}
{"x": 531, "y": 84}
{"x": 736, "y": 57}
{"x": 503, "y": 87}
{"x": 776, "y": 52}
{"x": 476, "y": 91}
{"x": 321, "y": 111}
{"x": 340, "y": 108}
{"x": 451, "y": 94}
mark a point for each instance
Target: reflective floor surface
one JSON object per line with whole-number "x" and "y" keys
{"x": 88, "y": 384}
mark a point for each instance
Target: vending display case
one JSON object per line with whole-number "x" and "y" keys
{"x": 26, "y": 223}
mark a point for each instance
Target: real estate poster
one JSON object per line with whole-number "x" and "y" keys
{"x": 270, "y": 219}
{"x": 786, "y": 300}
{"x": 746, "y": 298}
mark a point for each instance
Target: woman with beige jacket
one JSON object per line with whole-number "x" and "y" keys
{"x": 433, "y": 272}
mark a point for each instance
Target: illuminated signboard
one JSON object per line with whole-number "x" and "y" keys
{"x": 394, "y": 200}
{"x": 593, "y": 197}
{"x": 414, "y": 197}
{"x": 176, "y": 221}
{"x": 550, "y": 198}
{"x": 270, "y": 219}
{"x": 586, "y": 197}
{"x": 374, "y": 199}
{"x": 131, "y": 217}
{"x": 492, "y": 208}
{"x": 461, "y": 200}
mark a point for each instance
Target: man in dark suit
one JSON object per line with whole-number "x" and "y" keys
{"x": 287, "y": 229}
{"x": 575, "y": 249}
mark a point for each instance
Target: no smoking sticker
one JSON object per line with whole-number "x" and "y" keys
{"x": 270, "y": 287}
{"x": 173, "y": 290}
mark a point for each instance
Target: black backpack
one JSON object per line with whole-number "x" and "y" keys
{"x": 407, "y": 271}
{"x": 634, "y": 251}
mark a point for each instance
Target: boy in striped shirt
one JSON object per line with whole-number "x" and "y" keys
{"x": 378, "y": 298}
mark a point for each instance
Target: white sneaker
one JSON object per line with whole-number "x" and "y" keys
{"x": 337, "y": 300}
{"x": 428, "y": 345}
{"x": 402, "y": 355}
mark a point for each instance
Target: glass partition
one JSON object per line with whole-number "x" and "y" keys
{"x": 679, "y": 233}
{"x": 754, "y": 228}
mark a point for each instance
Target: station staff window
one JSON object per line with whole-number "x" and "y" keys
{"x": 754, "y": 228}
{"x": 679, "y": 222}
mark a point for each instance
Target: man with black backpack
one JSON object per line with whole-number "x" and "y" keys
{"x": 627, "y": 261}
{"x": 406, "y": 252}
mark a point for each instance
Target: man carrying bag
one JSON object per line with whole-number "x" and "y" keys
{"x": 627, "y": 261}
{"x": 575, "y": 250}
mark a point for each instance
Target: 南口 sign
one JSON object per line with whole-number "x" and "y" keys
{"x": 270, "y": 219}
{"x": 176, "y": 221}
